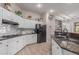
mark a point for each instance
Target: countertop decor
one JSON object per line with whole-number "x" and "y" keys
{"x": 29, "y": 17}
{"x": 19, "y": 13}
{"x": 8, "y": 6}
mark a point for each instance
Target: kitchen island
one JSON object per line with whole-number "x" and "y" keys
{"x": 71, "y": 44}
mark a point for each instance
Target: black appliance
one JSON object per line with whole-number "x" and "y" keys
{"x": 41, "y": 33}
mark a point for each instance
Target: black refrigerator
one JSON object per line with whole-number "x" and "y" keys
{"x": 41, "y": 33}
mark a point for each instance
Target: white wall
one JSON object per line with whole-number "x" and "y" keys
{"x": 29, "y": 13}
{"x": 50, "y": 28}
{"x": 44, "y": 17}
{"x": 14, "y": 7}
{"x": 70, "y": 24}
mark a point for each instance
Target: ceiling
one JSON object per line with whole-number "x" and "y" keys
{"x": 67, "y": 9}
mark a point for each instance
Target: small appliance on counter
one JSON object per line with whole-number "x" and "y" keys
{"x": 41, "y": 33}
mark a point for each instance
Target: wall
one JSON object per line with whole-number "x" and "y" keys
{"x": 70, "y": 24}
{"x": 50, "y": 27}
{"x": 44, "y": 17}
{"x": 14, "y": 7}
{"x": 26, "y": 13}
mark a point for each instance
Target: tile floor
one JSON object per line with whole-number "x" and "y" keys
{"x": 36, "y": 49}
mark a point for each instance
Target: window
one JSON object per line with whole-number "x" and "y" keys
{"x": 77, "y": 27}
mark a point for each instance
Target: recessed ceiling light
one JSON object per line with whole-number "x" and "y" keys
{"x": 39, "y": 5}
{"x": 51, "y": 10}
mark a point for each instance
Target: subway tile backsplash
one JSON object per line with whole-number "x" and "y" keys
{"x": 7, "y": 29}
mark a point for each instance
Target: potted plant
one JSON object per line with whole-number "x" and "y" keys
{"x": 19, "y": 13}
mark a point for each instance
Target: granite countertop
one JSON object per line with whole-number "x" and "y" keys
{"x": 70, "y": 45}
{"x": 5, "y": 37}
{"x": 74, "y": 32}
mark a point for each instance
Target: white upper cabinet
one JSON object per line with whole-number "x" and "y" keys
{"x": 6, "y": 14}
{"x": 31, "y": 39}
{"x": 9, "y": 15}
{"x": 16, "y": 18}
{"x": 0, "y": 12}
{"x": 0, "y": 15}
{"x": 27, "y": 24}
{"x": 23, "y": 23}
{"x": 34, "y": 38}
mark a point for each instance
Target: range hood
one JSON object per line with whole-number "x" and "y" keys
{"x": 4, "y": 21}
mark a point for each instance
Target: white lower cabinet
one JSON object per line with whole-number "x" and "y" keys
{"x": 25, "y": 40}
{"x": 19, "y": 43}
{"x": 34, "y": 38}
{"x": 3, "y": 47}
{"x": 65, "y": 52}
{"x": 12, "y": 46}
{"x": 31, "y": 39}
{"x": 56, "y": 49}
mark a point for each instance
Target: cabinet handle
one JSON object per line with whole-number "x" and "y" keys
{"x": 7, "y": 45}
{"x": 17, "y": 41}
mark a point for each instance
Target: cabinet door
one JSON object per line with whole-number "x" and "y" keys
{"x": 31, "y": 24}
{"x": 27, "y": 24}
{"x": 27, "y": 39}
{"x": 12, "y": 46}
{"x": 3, "y": 47}
{"x": 19, "y": 43}
{"x": 65, "y": 52}
{"x": 23, "y": 23}
{"x": 56, "y": 49}
{"x": 0, "y": 15}
{"x": 17, "y": 18}
{"x": 6, "y": 14}
{"x": 34, "y": 38}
